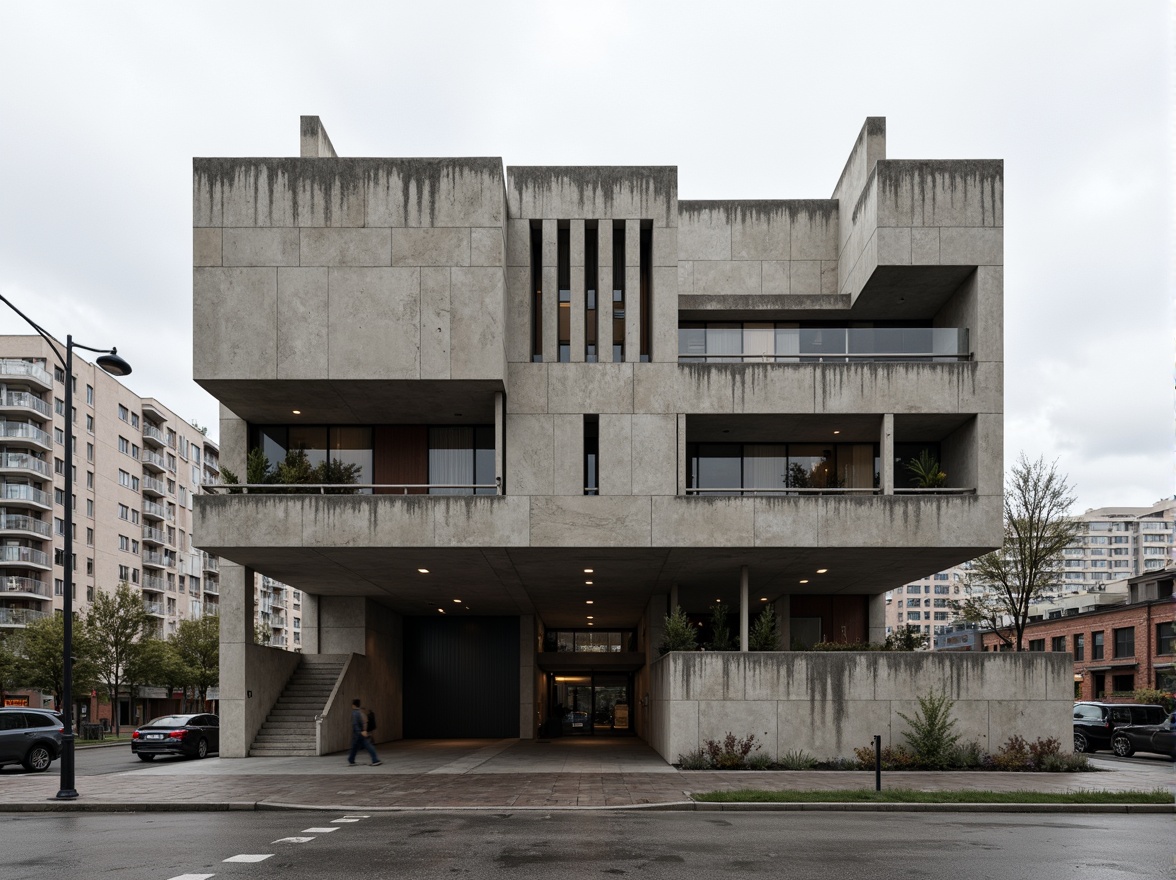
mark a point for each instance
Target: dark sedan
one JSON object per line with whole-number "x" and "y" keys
{"x": 1158, "y": 738}
{"x": 194, "y": 736}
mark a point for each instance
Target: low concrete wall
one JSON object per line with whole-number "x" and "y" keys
{"x": 828, "y": 704}
{"x": 269, "y": 669}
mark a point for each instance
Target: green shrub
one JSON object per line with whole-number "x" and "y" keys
{"x": 696, "y": 760}
{"x": 764, "y": 635}
{"x": 1020, "y": 755}
{"x": 761, "y": 761}
{"x": 905, "y": 638}
{"x": 966, "y": 756}
{"x": 797, "y": 760}
{"x": 932, "y": 735}
{"x": 731, "y": 753}
{"x": 893, "y": 758}
{"x": 1159, "y": 698}
{"x": 678, "y": 633}
{"x": 721, "y": 639}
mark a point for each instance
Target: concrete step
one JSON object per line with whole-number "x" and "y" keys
{"x": 264, "y": 752}
{"x": 300, "y": 741}
{"x": 287, "y": 724}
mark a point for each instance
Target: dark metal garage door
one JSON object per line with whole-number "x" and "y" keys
{"x": 461, "y": 677}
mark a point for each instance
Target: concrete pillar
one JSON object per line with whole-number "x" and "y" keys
{"x": 576, "y": 263}
{"x": 342, "y": 625}
{"x": 877, "y": 631}
{"x": 633, "y": 291}
{"x": 500, "y": 440}
{"x": 550, "y": 292}
{"x": 236, "y": 635}
{"x": 886, "y": 453}
{"x": 604, "y": 284}
{"x": 743, "y": 610}
{"x": 528, "y": 704}
{"x": 683, "y": 464}
{"x": 310, "y": 624}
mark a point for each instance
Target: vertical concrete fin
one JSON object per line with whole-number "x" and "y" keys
{"x": 315, "y": 144}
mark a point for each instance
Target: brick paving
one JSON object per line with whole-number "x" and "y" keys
{"x": 489, "y": 774}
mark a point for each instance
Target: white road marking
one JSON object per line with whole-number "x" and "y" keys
{"x": 192, "y": 877}
{"x": 318, "y": 830}
{"x": 356, "y": 816}
{"x": 293, "y": 840}
{"x": 343, "y": 820}
{"x": 248, "y": 857}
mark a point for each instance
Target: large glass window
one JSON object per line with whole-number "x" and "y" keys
{"x": 780, "y": 466}
{"x": 1096, "y": 645}
{"x": 1166, "y": 638}
{"x": 1125, "y": 642}
{"x": 461, "y": 457}
{"x": 793, "y": 342}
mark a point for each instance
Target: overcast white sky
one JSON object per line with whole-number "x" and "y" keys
{"x": 103, "y": 106}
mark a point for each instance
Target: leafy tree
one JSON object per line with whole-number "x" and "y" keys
{"x": 764, "y": 636}
{"x": 148, "y": 666}
{"x": 932, "y": 736}
{"x": 1037, "y": 528}
{"x": 906, "y": 638}
{"x": 295, "y": 469}
{"x": 10, "y": 666}
{"x": 117, "y": 624}
{"x": 262, "y": 635}
{"x": 721, "y": 639}
{"x": 197, "y": 647}
{"x": 678, "y": 633}
{"x": 41, "y": 663}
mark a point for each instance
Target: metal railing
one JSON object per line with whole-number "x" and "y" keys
{"x": 345, "y": 488}
{"x": 16, "y": 584}
{"x": 156, "y": 535}
{"x": 154, "y": 582}
{"x": 155, "y": 608}
{"x": 24, "y": 556}
{"x": 25, "y": 462}
{"x": 23, "y": 369}
{"x": 211, "y": 564}
{"x": 824, "y": 491}
{"x": 151, "y": 484}
{"x": 150, "y": 432}
{"x": 27, "y": 401}
{"x": 25, "y": 431}
{"x": 157, "y": 510}
{"x": 21, "y": 616}
{"x": 16, "y": 523}
{"x": 148, "y": 457}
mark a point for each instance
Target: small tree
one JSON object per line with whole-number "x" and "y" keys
{"x": 1037, "y": 528}
{"x": 906, "y": 638}
{"x": 197, "y": 647}
{"x": 764, "y": 635}
{"x": 721, "y": 639}
{"x": 10, "y": 666}
{"x": 41, "y": 663}
{"x": 262, "y": 634}
{"x": 678, "y": 633}
{"x": 117, "y": 624}
{"x": 932, "y": 735}
{"x": 149, "y": 666}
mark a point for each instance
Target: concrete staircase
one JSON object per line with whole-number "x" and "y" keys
{"x": 289, "y": 728}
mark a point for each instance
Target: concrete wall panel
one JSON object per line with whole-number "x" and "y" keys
{"x": 487, "y": 247}
{"x": 436, "y": 314}
{"x": 590, "y": 521}
{"x": 715, "y": 521}
{"x": 260, "y": 247}
{"x": 655, "y": 455}
{"x": 431, "y": 247}
{"x": 731, "y": 278}
{"x": 374, "y": 323}
{"x": 302, "y": 309}
{"x": 526, "y": 388}
{"x": 591, "y": 388}
{"x": 530, "y": 444}
{"x": 206, "y": 247}
{"x": 346, "y": 247}
{"x": 477, "y": 313}
{"x": 616, "y": 454}
{"x": 569, "y": 454}
{"x": 235, "y": 312}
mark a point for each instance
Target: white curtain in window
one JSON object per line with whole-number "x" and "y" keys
{"x": 764, "y": 466}
{"x": 451, "y": 459}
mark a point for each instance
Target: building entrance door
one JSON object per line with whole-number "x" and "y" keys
{"x": 591, "y": 704}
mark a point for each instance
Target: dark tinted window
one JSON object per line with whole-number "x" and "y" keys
{"x": 1088, "y": 713}
{"x": 12, "y": 721}
{"x": 1147, "y": 715}
{"x": 168, "y": 721}
{"x": 36, "y": 719}
{"x": 1121, "y": 714}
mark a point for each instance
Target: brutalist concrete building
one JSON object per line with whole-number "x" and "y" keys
{"x": 574, "y": 402}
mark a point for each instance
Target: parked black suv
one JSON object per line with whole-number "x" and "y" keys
{"x": 31, "y": 737}
{"x": 1095, "y": 723}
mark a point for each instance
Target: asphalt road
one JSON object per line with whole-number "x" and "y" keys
{"x": 815, "y": 846}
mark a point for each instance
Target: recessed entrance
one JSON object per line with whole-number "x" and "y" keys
{"x": 590, "y": 704}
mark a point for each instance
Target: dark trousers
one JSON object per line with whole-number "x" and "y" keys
{"x": 357, "y": 740}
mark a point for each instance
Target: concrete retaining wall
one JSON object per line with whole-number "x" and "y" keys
{"x": 828, "y": 704}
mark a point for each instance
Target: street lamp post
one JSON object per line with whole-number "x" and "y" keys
{"x": 115, "y": 366}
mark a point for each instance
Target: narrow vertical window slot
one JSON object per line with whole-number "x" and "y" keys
{"x": 563, "y": 262}
{"x": 618, "y": 295}
{"x": 591, "y": 270}
{"x": 591, "y": 454}
{"x": 536, "y": 291}
{"x": 646, "y": 274}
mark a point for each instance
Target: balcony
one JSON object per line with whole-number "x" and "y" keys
{"x": 13, "y": 585}
{"x": 25, "y": 556}
{"x": 153, "y": 510}
{"x": 21, "y": 494}
{"x": 22, "y": 461}
{"x": 154, "y": 536}
{"x": 27, "y": 525}
{"x": 155, "y": 559}
{"x": 153, "y": 436}
{"x": 21, "y": 617}
{"x": 28, "y": 403}
{"x": 211, "y": 588}
{"x": 155, "y": 609}
{"x": 764, "y": 343}
{"x": 34, "y": 374}
{"x": 153, "y": 486}
{"x": 211, "y": 564}
{"x": 153, "y": 461}
{"x": 25, "y": 434}
{"x": 154, "y": 583}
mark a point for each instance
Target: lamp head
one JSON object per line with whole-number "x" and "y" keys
{"x": 113, "y": 364}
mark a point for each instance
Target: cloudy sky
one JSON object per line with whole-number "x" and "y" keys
{"x": 103, "y": 106}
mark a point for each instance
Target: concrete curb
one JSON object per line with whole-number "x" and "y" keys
{"x": 54, "y": 806}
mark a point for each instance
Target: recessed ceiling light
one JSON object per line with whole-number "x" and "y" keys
{"x": 588, "y": 571}
{"x": 763, "y": 598}
{"x": 718, "y": 600}
{"x": 423, "y": 570}
{"x": 297, "y": 412}
{"x": 458, "y": 601}
{"x": 589, "y": 583}
{"x": 590, "y": 623}
{"x": 805, "y": 581}
{"x": 589, "y": 616}
{"x": 442, "y": 610}
{"x": 836, "y": 432}
{"x": 822, "y": 570}
{"x": 589, "y": 602}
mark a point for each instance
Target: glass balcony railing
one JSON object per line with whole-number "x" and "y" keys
{"x": 23, "y": 556}
{"x": 22, "y": 461}
{"x": 154, "y": 510}
{"x": 154, "y": 536}
{"x": 155, "y": 608}
{"x": 21, "y": 492}
{"x": 17, "y": 523}
{"x": 16, "y": 369}
{"x": 746, "y": 344}
{"x": 27, "y": 585}
{"x": 152, "y": 557}
{"x": 24, "y": 400}
{"x": 154, "y": 583}
{"x": 152, "y": 433}
{"x": 25, "y": 431}
{"x": 153, "y": 460}
{"x": 153, "y": 486}
{"x": 21, "y": 616}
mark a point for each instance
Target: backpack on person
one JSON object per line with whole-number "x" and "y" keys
{"x": 371, "y": 721}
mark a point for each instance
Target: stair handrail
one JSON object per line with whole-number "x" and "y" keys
{"x": 322, "y": 716}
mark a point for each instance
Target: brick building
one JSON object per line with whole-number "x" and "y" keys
{"x": 1118, "y": 648}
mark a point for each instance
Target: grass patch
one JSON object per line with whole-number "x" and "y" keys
{"x": 910, "y": 796}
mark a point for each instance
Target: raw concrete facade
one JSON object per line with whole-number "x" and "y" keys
{"x": 803, "y": 349}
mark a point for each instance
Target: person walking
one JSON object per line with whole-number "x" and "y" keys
{"x": 360, "y": 736}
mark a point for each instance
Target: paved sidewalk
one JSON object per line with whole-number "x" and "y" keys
{"x": 503, "y": 774}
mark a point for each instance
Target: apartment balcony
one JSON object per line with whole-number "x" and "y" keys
{"x": 25, "y": 434}
{"x": 153, "y": 461}
{"x": 21, "y": 617}
{"x": 155, "y": 559}
{"x": 22, "y": 495}
{"x": 155, "y": 609}
{"x": 154, "y": 583}
{"x": 153, "y": 486}
{"x": 23, "y": 371}
{"x": 156, "y": 537}
{"x": 211, "y": 588}
{"x": 24, "y": 526}
{"x": 24, "y": 463}
{"x": 211, "y": 564}
{"x": 152, "y": 436}
{"x": 156, "y": 511}
{"x": 730, "y": 343}
{"x": 26, "y": 556}
{"x": 14, "y": 586}
{"x": 25, "y": 404}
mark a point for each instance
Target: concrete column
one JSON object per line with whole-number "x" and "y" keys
{"x": 550, "y": 293}
{"x": 877, "y": 631}
{"x": 886, "y": 453}
{"x": 528, "y": 705}
{"x": 683, "y": 464}
{"x": 236, "y": 636}
{"x": 743, "y": 610}
{"x": 500, "y": 440}
{"x": 604, "y": 283}
{"x": 310, "y": 623}
{"x": 576, "y": 262}
{"x": 633, "y": 291}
